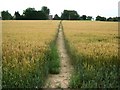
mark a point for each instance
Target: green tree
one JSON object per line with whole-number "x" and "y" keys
{"x": 28, "y": 13}
{"x": 17, "y": 16}
{"x": 89, "y": 17}
{"x": 115, "y": 18}
{"x": 83, "y": 17}
{"x": 56, "y": 17}
{"x": 32, "y": 14}
{"x": 46, "y": 11}
{"x": 28, "y": 10}
{"x": 65, "y": 15}
{"x": 41, "y": 15}
{"x": 6, "y": 15}
{"x": 99, "y": 18}
{"x": 110, "y": 19}
{"x": 69, "y": 15}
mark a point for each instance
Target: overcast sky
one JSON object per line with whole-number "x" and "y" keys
{"x": 93, "y": 8}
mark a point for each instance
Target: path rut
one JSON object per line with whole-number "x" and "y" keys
{"x": 61, "y": 80}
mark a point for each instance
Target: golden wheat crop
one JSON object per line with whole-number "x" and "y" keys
{"x": 24, "y": 47}
{"x": 94, "y": 50}
{"x": 93, "y": 37}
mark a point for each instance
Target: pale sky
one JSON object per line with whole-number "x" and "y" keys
{"x": 93, "y": 8}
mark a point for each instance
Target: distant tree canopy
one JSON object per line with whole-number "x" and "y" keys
{"x": 70, "y": 15}
{"x": 56, "y": 17}
{"x": 113, "y": 19}
{"x": 32, "y": 14}
{"x": 83, "y": 17}
{"x": 89, "y": 18}
{"x": 45, "y": 10}
{"x": 17, "y": 16}
{"x": 6, "y": 15}
{"x": 43, "y": 14}
{"x": 99, "y": 18}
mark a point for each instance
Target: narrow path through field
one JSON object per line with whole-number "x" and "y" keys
{"x": 61, "y": 80}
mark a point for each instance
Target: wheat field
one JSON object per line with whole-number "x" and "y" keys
{"x": 25, "y": 47}
{"x": 93, "y": 47}
{"x": 29, "y": 53}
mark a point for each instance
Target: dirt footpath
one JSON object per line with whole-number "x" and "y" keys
{"x": 61, "y": 80}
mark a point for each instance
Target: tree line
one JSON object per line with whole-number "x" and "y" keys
{"x": 28, "y": 14}
{"x": 44, "y": 14}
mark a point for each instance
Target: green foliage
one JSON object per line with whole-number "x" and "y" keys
{"x": 32, "y": 14}
{"x": 69, "y": 15}
{"x": 45, "y": 10}
{"x": 89, "y": 17}
{"x": 54, "y": 61}
{"x": 56, "y": 17}
{"x": 83, "y": 17}
{"x": 6, "y": 15}
{"x": 75, "y": 81}
{"x": 43, "y": 14}
{"x": 99, "y": 18}
{"x": 112, "y": 19}
{"x": 17, "y": 16}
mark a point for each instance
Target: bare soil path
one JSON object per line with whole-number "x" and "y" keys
{"x": 61, "y": 80}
